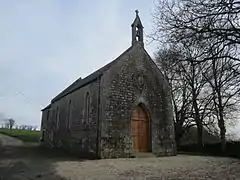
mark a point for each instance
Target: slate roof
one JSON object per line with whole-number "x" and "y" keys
{"x": 90, "y": 78}
{"x": 47, "y": 107}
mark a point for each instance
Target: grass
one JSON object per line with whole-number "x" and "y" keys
{"x": 24, "y": 135}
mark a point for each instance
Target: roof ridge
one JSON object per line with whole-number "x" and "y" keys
{"x": 91, "y": 77}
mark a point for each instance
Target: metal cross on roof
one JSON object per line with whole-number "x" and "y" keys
{"x": 136, "y": 12}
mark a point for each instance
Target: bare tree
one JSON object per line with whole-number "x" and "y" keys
{"x": 190, "y": 101}
{"x": 167, "y": 60}
{"x": 30, "y": 127}
{"x": 196, "y": 85}
{"x": 6, "y": 124}
{"x": 196, "y": 21}
{"x": 223, "y": 76}
{"x": 23, "y": 127}
{"x": 35, "y": 128}
{"x": 11, "y": 123}
{"x": 210, "y": 28}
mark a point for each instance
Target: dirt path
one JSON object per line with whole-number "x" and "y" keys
{"x": 9, "y": 141}
{"x": 21, "y": 162}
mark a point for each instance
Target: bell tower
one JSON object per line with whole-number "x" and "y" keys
{"x": 137, "y": 30}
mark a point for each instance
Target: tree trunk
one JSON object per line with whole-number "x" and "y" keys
{"x": 199, "y": 136}
{"x": 221, "y": 123}
{"x": 195, "y": 106}
{"x": 199, "y": 125}
{"x": 177, "y": 139}
{"x": 222, "y": 128}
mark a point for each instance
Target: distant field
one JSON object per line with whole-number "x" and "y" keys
{"x": 24, "y": 135}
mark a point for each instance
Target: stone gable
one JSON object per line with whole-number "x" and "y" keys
{"x": 121, "y": 108}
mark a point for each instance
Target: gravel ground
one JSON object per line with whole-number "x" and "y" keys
{"x": 178, "y": 167}
{"x": 21, "y": 164}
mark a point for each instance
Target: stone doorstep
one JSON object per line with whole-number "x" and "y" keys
{"x": 143, "y": 154}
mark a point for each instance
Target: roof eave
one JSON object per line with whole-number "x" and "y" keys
{"x": 47, "y": 107}
{"x": 61, "y": 96}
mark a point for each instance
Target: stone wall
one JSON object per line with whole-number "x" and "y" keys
{"x": 44, "y": 125}
{"x": 132, "y": 80}
{"x": 81, "y": 136}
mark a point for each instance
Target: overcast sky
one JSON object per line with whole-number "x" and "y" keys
{"x": 45, "y": 45}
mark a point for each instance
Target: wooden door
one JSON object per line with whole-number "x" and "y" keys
{"x": 140, "y": 130}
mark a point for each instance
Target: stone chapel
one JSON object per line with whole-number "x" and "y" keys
{"x": 120, "y": 110}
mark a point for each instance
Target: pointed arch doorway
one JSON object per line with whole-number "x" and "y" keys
{"x": 140, "y": 130}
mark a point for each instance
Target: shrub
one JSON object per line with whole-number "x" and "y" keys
{"x": 214, "y": 149}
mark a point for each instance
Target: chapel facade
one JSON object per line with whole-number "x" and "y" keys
{"x": 121, "y": 109}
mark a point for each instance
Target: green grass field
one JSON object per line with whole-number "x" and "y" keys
{"x": 24, "y": 135}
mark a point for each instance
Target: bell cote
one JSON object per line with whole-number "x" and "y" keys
{"x": 137, "y": 30}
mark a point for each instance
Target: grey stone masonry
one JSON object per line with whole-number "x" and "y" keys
{"x": 92, "y": 117}
{"x": 135, "y": 79}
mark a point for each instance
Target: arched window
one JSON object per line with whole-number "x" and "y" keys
{"x": 57, "y": 117}
{"x": 48, "y": 112}
{"x": 69, "y": 115}
{"x": 87, "y": 108}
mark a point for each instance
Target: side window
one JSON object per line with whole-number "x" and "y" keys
{"x": 57, "y": 118}
{"x": 87, "y": 108}
{"x": 52, "y": 118}
{"x": 51, "y": 115}
{"x": 69, "y": 115}
{"x": 48, "y": 114}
